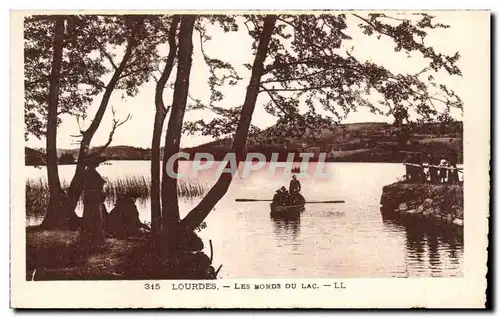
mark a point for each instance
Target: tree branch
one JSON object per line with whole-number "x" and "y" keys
{"x": 372, "y": 25}
{"x": 287, "y": 22}
{"x": 308, "y": 61}
{"x": 296, "y": 89}
{"x": 417, "y": 92}
{"x": 279, "y": 106}
{"x": 246, "y": 25}
{"x": 106, "y": 54}
{"x": 336, "y": 30}
{"x": 290, "y": 79}
{"x": 115, "y": 124}
{"x": 131, "y": 43}
{"x": 393, "y": 18}
{"x": 80, "y": 129}
{"x": 273, "y": 100}
{"x": 134, "y": 72}
{"x": 95, "y": 83}
{"x": 110, "y": 59}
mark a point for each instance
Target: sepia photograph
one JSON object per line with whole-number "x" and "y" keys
{"x": 205, "y": 147}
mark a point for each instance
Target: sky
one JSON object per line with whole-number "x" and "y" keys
{"x": 234, "y": 47}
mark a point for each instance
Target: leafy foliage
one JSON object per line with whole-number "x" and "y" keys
{"x": 78, "y": 69}
{"x": 221, "y": 73}
{"x": 92, "y": 47}
{"x": 313, "y": 80}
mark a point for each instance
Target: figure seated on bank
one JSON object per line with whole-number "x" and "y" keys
{"x": 123, "y": 220}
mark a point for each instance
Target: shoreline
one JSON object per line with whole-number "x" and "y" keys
{"x": 438, "y": 205}
{"x": 242, "y": 161}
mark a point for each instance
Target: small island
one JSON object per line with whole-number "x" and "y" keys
{"x": 439, "y": 205}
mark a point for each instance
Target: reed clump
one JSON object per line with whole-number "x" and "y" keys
{"x": 139, "y": 187}
{"x": 37, "y": 197}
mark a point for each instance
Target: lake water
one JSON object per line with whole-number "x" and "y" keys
{"x": 328, "y": 240}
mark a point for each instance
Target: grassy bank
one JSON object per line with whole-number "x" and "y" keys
{"x": 63, "y": 255}
{"x": 37, "y": 191}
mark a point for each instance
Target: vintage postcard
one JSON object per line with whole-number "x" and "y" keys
{"x": 322, "y": 159}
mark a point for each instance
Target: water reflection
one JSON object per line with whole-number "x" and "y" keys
{"x": 285, "y": 227}
{"x": 415, "y": 244}
{"x": 430, "y": 250}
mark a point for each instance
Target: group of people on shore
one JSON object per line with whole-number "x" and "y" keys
{"x": 438, "y": 170}
{"x": 284, "y": 196}
{"x": 122, "y": 221}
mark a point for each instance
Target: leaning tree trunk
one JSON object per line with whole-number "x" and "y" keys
{"x": 54, "y": 217}
{"x": 76, "y": 186}
{"x": 200, "y": 212}
{"x": 170, "y": 205}
{"x": 161, "y": 113}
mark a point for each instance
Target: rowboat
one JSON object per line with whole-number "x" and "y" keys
{"x": 289, "y": 209}
{"x": 286, "y": 210}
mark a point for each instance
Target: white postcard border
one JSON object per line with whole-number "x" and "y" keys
{"x": 465, "y": 292}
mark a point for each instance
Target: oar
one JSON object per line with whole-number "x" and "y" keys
{"x": 334, "y": 201}
{"x": 267, "y": 200}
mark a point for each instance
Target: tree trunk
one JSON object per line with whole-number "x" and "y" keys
{"x": 170, "y": 205}
{"x": 54, "y": 217}
{"x": 75, "y": 188}
{"x": 160, "y": 115}
{"x": 200, "y": 212}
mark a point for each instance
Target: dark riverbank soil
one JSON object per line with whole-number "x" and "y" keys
{"x": 437, "y": 203}
{"x": 62, "y": 255}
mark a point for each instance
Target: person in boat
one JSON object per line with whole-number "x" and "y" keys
{"x": 281, "y": 196}
{"x": 295, "y": 186}
{"x": 285, "y": 195}
{"x": 277, "y": 196}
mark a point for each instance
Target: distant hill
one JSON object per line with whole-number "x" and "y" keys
{"x": 69, "y": 156}
{"x": 117, "y": 153}
{"x": 359, "y": 142}
{"x": 33, "y": 157}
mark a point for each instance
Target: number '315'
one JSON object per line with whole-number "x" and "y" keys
{"x": 152, "y": 286}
